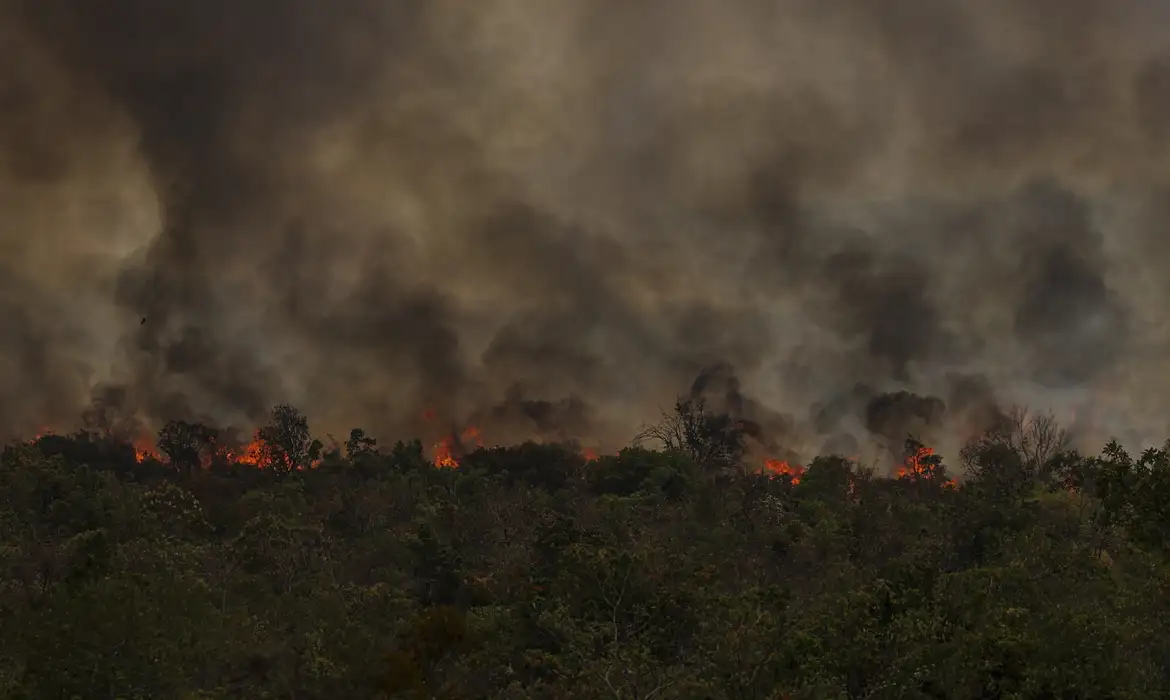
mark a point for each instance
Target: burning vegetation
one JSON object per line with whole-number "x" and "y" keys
{"x": 714, "y": 426}
{"x": 738, "y": 571}
{"x": 713, "y": 441}
{"x": 494, "y": 234}
{"x": 781, "y": 468}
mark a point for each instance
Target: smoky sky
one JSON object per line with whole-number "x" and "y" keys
{"x": 556, "y": 215}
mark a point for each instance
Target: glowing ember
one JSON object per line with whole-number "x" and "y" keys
{"x": 781, "y": 467}
{"x": 590, "y": 454}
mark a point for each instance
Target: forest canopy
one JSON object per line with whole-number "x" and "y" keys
{"x": 290, "y": 568}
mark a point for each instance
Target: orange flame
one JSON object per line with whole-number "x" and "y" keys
{"x": 444, "y": 459}
{"x": 781, "y": 467}
{"x": 251, "y": 454}
{"x": 918, "y": 466}
{"x": 446, "y": 448}
{"x": 142, "y": 454}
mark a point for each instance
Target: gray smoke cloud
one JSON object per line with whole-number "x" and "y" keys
{"x": 552, "y": 217}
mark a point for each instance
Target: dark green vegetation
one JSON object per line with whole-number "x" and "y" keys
{"x": 529, "y": 573}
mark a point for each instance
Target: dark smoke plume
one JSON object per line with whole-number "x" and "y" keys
{"x": 554, "y": 216}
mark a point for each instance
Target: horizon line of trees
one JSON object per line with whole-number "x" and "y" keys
{"x": 712, "y": 440}
{"x": 529, "y": 573}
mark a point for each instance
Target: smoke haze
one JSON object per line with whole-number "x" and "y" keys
{"x": 553, "y": 216}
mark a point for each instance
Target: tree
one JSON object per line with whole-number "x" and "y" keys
{"x": 1021, "y": 448}
{"x": 287, "y": 444}
{"x": 713, "y": 441}
{"x": 640, "y": 470}
{"x": 543, "y": 576}
{"x": 359, "y": 444}
{"x": 184, "y": 444}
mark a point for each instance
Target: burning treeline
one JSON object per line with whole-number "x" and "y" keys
{"x": 264, "y": 452}
{"x": 203, "y": 448}
{"x": 714, "y": 425}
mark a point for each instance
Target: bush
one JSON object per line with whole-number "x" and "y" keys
{"x": 635, "y": 470}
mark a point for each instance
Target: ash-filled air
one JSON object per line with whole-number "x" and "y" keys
{"x": 551, "y": 217}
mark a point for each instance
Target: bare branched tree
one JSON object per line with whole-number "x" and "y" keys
{"x": 1032, "y": 440}
{"x": 712, "y": 440}
{"x": 1037, "y": 437}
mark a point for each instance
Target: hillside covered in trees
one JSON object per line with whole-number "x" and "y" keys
{"x": 365, "y": 571}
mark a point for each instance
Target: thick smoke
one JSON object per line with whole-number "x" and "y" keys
{"x": 552, "y": 217}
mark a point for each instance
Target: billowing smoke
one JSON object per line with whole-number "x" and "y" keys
{"x": 553, "y": 216}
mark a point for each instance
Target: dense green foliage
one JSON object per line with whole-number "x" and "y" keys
{"x": 531, "y": 573}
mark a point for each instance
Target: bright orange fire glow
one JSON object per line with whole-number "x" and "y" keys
{"x": 781, "y": 467}
{"x": 251, "y": 454}
{"x": 448, "y": 450}
{"x": 143, "y": 453}
{"x": 445, "y": 449}
{"x": 443, "y": 457}
{"x": 918, "y": 466}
